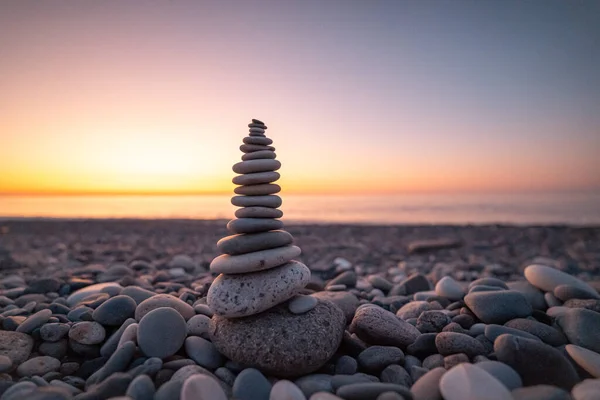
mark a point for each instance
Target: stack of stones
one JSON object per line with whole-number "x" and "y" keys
{"x": 253, "y": 322}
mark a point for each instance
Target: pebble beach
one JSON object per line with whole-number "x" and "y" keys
{"x": 99, "y": 309}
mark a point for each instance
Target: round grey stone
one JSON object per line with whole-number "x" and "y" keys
{"x": 87, "y": 332}
{"x": 115, "y": 311}
{"x": 248, "y": 294}
{"x": 241, "y": 244}
{"x": 141, "y": 388}
{"x": 256, "y": 178}
{"x": 251, "y": 384}
{"x": 54, "y": 332}
{"x": 198, "y": 325}
{"x": 377, "y": 326}
{"x": 272, "y": 201}
{"x": 253, "y": 225}
{"x": 280, "y": 343}
{"x": 161, "y": 332}
{"x": 255, "y": 261}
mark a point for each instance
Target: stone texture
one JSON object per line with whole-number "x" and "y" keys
{"x": 254, "y": 261}
{"x": 499, "y": 306}
{"x": 248, "y": 294}
{"x": 278, "y": 342}
{"x": 377, "y": 326}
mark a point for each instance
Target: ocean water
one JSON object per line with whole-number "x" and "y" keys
{"x": 517, "y": 208}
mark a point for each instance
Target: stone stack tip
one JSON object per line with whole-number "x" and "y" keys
{"x": 257, "y": 270}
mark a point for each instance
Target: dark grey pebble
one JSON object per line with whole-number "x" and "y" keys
{"x": 376, "y": 358}
{"x": 54, "y": 332}
{"x": 114, "y": 385}
{"x": 241, "y": 244}
{"x": 54, "y": 349}
{"x": 547, "y": 334}
{"x": 498, "y": 307}
{"x": 432, "y": 321}
{"x": 251, "y": 384}
{"x": 203, "y": 352}
{"x": 377, "y": 326}
{"x": 118, "y": 362}
{"x": 141, "y": 388}
{"x": 423, "y": 346}
{"x": 112, "y": 342}
{"x": 346, "y": 365}
{"x": 337, "y": 381}
{"x": 433, "y": 361}
{"x": 370, "y": 391}
{"x": 81, "y": 313}
{"x": 536, "y": 362}
{"x": 492, "y": 331}
{"x": 413, "y": 284}
{"x": 161, "y": 332}
{"x": 488, "y": 281}
{"x": 115, "y": 311}
{"x": 138, "y": 294}
{"x": 171, "y": 390}
{"x": 534, "y": 295}
{"x": 396, "y": 374}
{"x": 582, "y": 327}
{"x": 225, "y": 375}
{"x": 449, "y": 343}
{"x": 34, "y": 321}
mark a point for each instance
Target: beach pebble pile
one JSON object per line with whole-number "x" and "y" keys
{"x": 144, "y": 329}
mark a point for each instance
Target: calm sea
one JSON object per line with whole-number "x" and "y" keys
{"x": 539, "y": 208}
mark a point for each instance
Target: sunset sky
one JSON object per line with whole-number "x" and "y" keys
{"x": 121, "y": 96}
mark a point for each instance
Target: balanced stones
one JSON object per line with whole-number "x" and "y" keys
{"x": 257, "y": 268}
{"x": 253, "y": 322}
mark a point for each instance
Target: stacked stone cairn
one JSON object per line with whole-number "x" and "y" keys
{"x": 255, "y": 323}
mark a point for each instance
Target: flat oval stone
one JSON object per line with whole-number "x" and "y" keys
{"x": 497, "y": 307}
{"x": 249, "y": 148}
{"x": 278, "y": 342}
{"x": 87, "y": 332}
{"x": 255, "y": 261}
{"x": 258, "y": 212}
{"x": 534, "y": 295}
{"x": 449, "y": 288}
{"x": 449, "y": 343}
{"x": 492, "y": 331}
{"x": 488, "y": 281}
{"x": 203, "y": 352}
{"x": 164, "y": 300}
{"x": 467, "y": 382}
{"x": 546, "y": 333}
{"x": 253, "y": 225}
{"x": 256, "y": 178}
{"x": 251, "y": 166}
{"x": 301, "y": 304}
{"x": 258, "y": 190}
{"x": 115, "y": 311}
{"x": 547, "y": 279}
{"x": 271, "y": 200}
{"x": 286, "y": 390}
{"x": 34, "y": 321}
{"x": 375, "y": 325}
{"x": 38, "y": 366}
{"x": 161, "y": 332}
{"x": 375, "y": 358}
{"x": 240, "y": 244}
{"x": 202, "y": 387}
{"x": 504, "y": 373}
{"x": 568, "y": 292}
{"x": 265, "y": 141}
{"x": 582, "y": 327}
{"x": 80, "y": 294}
{"x": 198, "y": 325}
{"x": 536, "y": 362}
{"x": 259, "y": 155}
{"x": 586, "y": 359}
{"x": 243, "y": 295}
